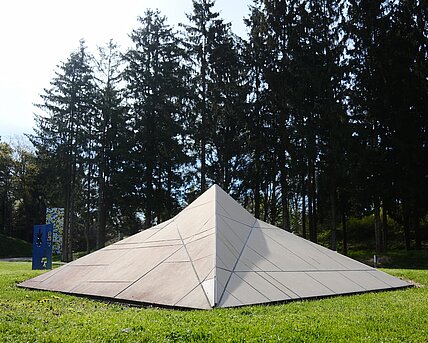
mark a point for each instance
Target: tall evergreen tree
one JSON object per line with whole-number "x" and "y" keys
{"x": 60, "y": 136}
{"x": 388, "y": 54}
{"x": 111, "y": 141}
{"x": 6, "y": 174}
{"x": 202, "y": 37}
{"x": 156, "y": 88}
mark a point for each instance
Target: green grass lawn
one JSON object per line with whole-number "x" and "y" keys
{"x": 36, "y": 316}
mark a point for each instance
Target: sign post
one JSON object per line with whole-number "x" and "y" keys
{"x": 42, "y": 247}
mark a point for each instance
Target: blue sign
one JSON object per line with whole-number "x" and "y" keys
{"x": 42, "y": 246}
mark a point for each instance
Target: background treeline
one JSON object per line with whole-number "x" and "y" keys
{"x": 319, "y": 117}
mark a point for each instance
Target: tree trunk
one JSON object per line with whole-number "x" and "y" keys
{"x": 102, "y": 223}
{"x": 312, "y": 203}
{"x": 273, "y": 204}
{"x": 284, "y": 200}
{"x": 384, "y": 228}
{"x": 149, "y": 207}
{"x": 345, "y": 234}
{"x": 377, "y": 226}
{"x": 418, "y": 239}
{"x": 333, "y": 216}
{"x": 265, "y": 203}
{"x": 417, "y": 230}
{"x": 257, "y": 199}
{"x": 310, "y": 209}
{"x": 407, "y": 225}
{"x": 203, "y": 166}
{"x": 64, "y": 243}
{"x": 304, "y": 234}
{"x": 88, "y": 207}
{"x": 102, "y": 207}
{"x": 169, "y": 190}
{"x": 3, "y": 218}
{"x": 203, "y": 129}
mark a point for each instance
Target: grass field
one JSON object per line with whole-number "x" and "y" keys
{"x": 36, "y": 316}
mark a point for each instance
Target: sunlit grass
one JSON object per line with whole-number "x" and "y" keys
{"x": 36, "y": 316}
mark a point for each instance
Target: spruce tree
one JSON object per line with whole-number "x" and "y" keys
{"x": 156, "y": 91}
{"x": 60, "y": 134}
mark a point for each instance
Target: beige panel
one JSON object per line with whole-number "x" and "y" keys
{"x": 233, "y": 232}
{"x": 180, "y": 255}
{"x": 206, "y": 197}
{"x": 263, "y": 225}
{"x": 101, "y": 257}
{"x": 201, "y": 248}
{"x": 276, "y": 253}
{"x": 261, "y": 284}
{"x": 150, "y": 244}
{"x": 204, "y": 267}
{"x": 30, "y": 284}
{"x": 190, "y": 222}
{"x": 336, "y": 282}
{"x": 305, "y": 255}
{"x": 209, "y": 288}
{"x": 45, "y": 275}
{"x": 141, "y": 236}
{"x": 195, "y": 299}
{"x": 226, "y": 255}
{"x": 165, "y": 285}
{"x": 279, "y": 285}
{"x": 68, "y": 278}
{"x": 250, "y": 260}
{"x": 168, "y": 233}
{"x": 244, "y": 292}
{"x": 389, "y": 279}
{"x": 100, "y": 289}
{"x": 229, "y": 300}
{"x": 222, "y": 277}
{"x": 300, "y": 284}
{"x": 220, "y": 211}
{"x": 232, "y": 208}
{"x": 201, "y": 234}
{"x": 232, "y": 245}
{"x": 365, "y": 279}
{"x": 134, "y": 264}
{"x": 144, "y": 245}
{"x": 344, "y": 261}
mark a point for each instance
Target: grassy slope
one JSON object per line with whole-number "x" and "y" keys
{"x": 398, "y": 316}
{"x": 13, "y": 247}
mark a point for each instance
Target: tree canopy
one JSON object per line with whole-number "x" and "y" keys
{"x": 316, "y": 118}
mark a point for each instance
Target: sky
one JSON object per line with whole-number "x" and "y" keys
{"x": 37, "y": 35}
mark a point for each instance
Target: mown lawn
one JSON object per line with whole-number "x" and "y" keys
{"x": 35, "y": 316}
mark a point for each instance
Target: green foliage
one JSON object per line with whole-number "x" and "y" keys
{"x": 318, "y": 117}
{"x": 155, "y": 79}
{"x": 21, "y": 193}
{"x": 36, "y": 316}
{"x": 14, "y": 247}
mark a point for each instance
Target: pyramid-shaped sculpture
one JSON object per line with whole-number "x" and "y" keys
{"x": 213, "y": 254}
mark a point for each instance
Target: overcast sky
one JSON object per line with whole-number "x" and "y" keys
{"x": 36, "y": 35}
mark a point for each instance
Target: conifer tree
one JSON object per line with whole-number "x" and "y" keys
{"x": 204, "y": 28}
{"x": 111, "y": 141}
{"x": 60, "y": 135}
{"x": 156, "y": 90}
